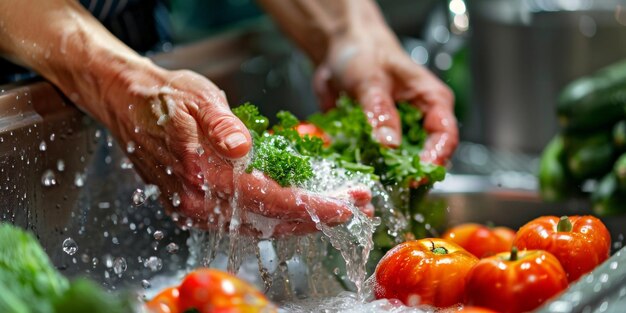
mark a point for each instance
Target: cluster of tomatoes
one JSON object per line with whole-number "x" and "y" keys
{"x": 494, "y": 268}
{"x": 210, "y": 291}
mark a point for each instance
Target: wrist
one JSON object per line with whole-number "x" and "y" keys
{"x": 366, "y": 29}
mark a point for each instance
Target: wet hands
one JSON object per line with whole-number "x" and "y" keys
{"x": 371, "y": 66}
{"x": 186, "y": 141}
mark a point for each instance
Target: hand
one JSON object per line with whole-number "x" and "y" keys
{"x": 371, "y": 66}
{"x": 181, "y": 135}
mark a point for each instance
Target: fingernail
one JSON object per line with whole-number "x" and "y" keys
{"x": 387, "y": 136}
{"x": 235, "y": 140}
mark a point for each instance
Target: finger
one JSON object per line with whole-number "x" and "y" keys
{"x": 436, "y": 101}
{"x": 226, "y": 133}
{"x": 323, "y": 87}
{"x": 378, "y": 105}
{"x": 265, "y": 197}
{"x": 443, "y": 137}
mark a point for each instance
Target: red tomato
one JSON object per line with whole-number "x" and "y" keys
{"x": 213, "y": 291}
{"x": 480, "y": 240}
{"x": 427, "y": 271}
{"x": 579, "y": 242}
{"x": 305, "y": 128}
{"x": 512, "y": 282}
{"x": 165, "y": 302}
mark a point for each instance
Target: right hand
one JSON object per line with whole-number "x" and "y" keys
{"x": 185, "y": 138}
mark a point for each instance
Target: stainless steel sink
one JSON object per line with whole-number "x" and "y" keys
{"x": 88, "y": 195}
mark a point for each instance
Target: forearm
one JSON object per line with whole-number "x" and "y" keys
{"x": 65, "y": 44}
{"x": 315, "y": 25}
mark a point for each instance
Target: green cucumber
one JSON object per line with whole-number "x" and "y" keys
{"x": 619, "y": 135}
{"x": 619, "y": 169}
{"x": 606, "y": 198}
{"x": 595, "y": 101}
{"x": 554, "y": 181}
{"x": 591, "y": 158}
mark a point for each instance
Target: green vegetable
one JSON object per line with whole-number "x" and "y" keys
{"x": 283, "y": 155}
{"x": 592, "y": 158}
{"x": 619, "y": 135}
{"x": 85, "y": 296}
{"x": 594, "y": 102}
{"x": 250, "y": 116}
{"x": 352, "y": 142}
{"x": 554, "y": 181}
{"x": 30, "y": 284}
{"x": 606, "y": 198}
{"x": 619, "y": 169}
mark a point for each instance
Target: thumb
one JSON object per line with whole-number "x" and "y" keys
{"x": 226, "y": 133}
{"x": 381, "y": 112}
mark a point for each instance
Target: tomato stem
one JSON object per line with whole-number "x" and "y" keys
{"x": 440, "y": 250}
{"x": 564, "y": 224}
{"x": 513, "y": 254}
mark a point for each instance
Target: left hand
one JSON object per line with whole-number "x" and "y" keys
{"x": 372, "y": 67}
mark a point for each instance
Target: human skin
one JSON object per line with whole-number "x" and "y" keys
{"x": 355, "y": 52}
{"x": 184, "y": 135}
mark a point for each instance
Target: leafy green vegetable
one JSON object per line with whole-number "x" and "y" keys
{"x": 282, "y": 155}
{"x": 352, "y": 143}
{"x": 29, "y": 283}
{"x": 274, "y": 156}
{"x": 250, "y": 116}
{"x": 85, "y": 296}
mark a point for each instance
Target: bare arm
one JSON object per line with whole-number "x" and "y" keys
{"x": 65, "y": 44}
{"x": 315, "y": 24}
{"x": 178, "y": 122}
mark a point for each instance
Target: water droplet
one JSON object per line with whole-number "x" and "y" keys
{"x": 200, "y": 150}
{"x": 104, "y": 205}
{"x": 42, "y": 146}
{"x": 52, "y": 136}
{"x": 175, "y": 199}
{"x": 336, "y": 271}
{"x": 137, "y": 129}
{"x": 172, "y": 248}
{"x": 139, "y": 197}
{"x": 613, "y": 265}
{"x": 48, "y": 178}
{"x": 153, "y": 263}
{"x": 60, "y": 165}
{"x": 130, "y": 147}
{"x": 168, "y": 170}
{"x": 126, "y": 164}
{"x": 158, "y": 235}
{"x": 69, "y": 246}
{"x": 119, "y": 266}
{"x": 145, "y": 284}
{"x": 79, "y": 179}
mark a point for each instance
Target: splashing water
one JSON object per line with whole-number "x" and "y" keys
{"x": 279, "y": 259}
